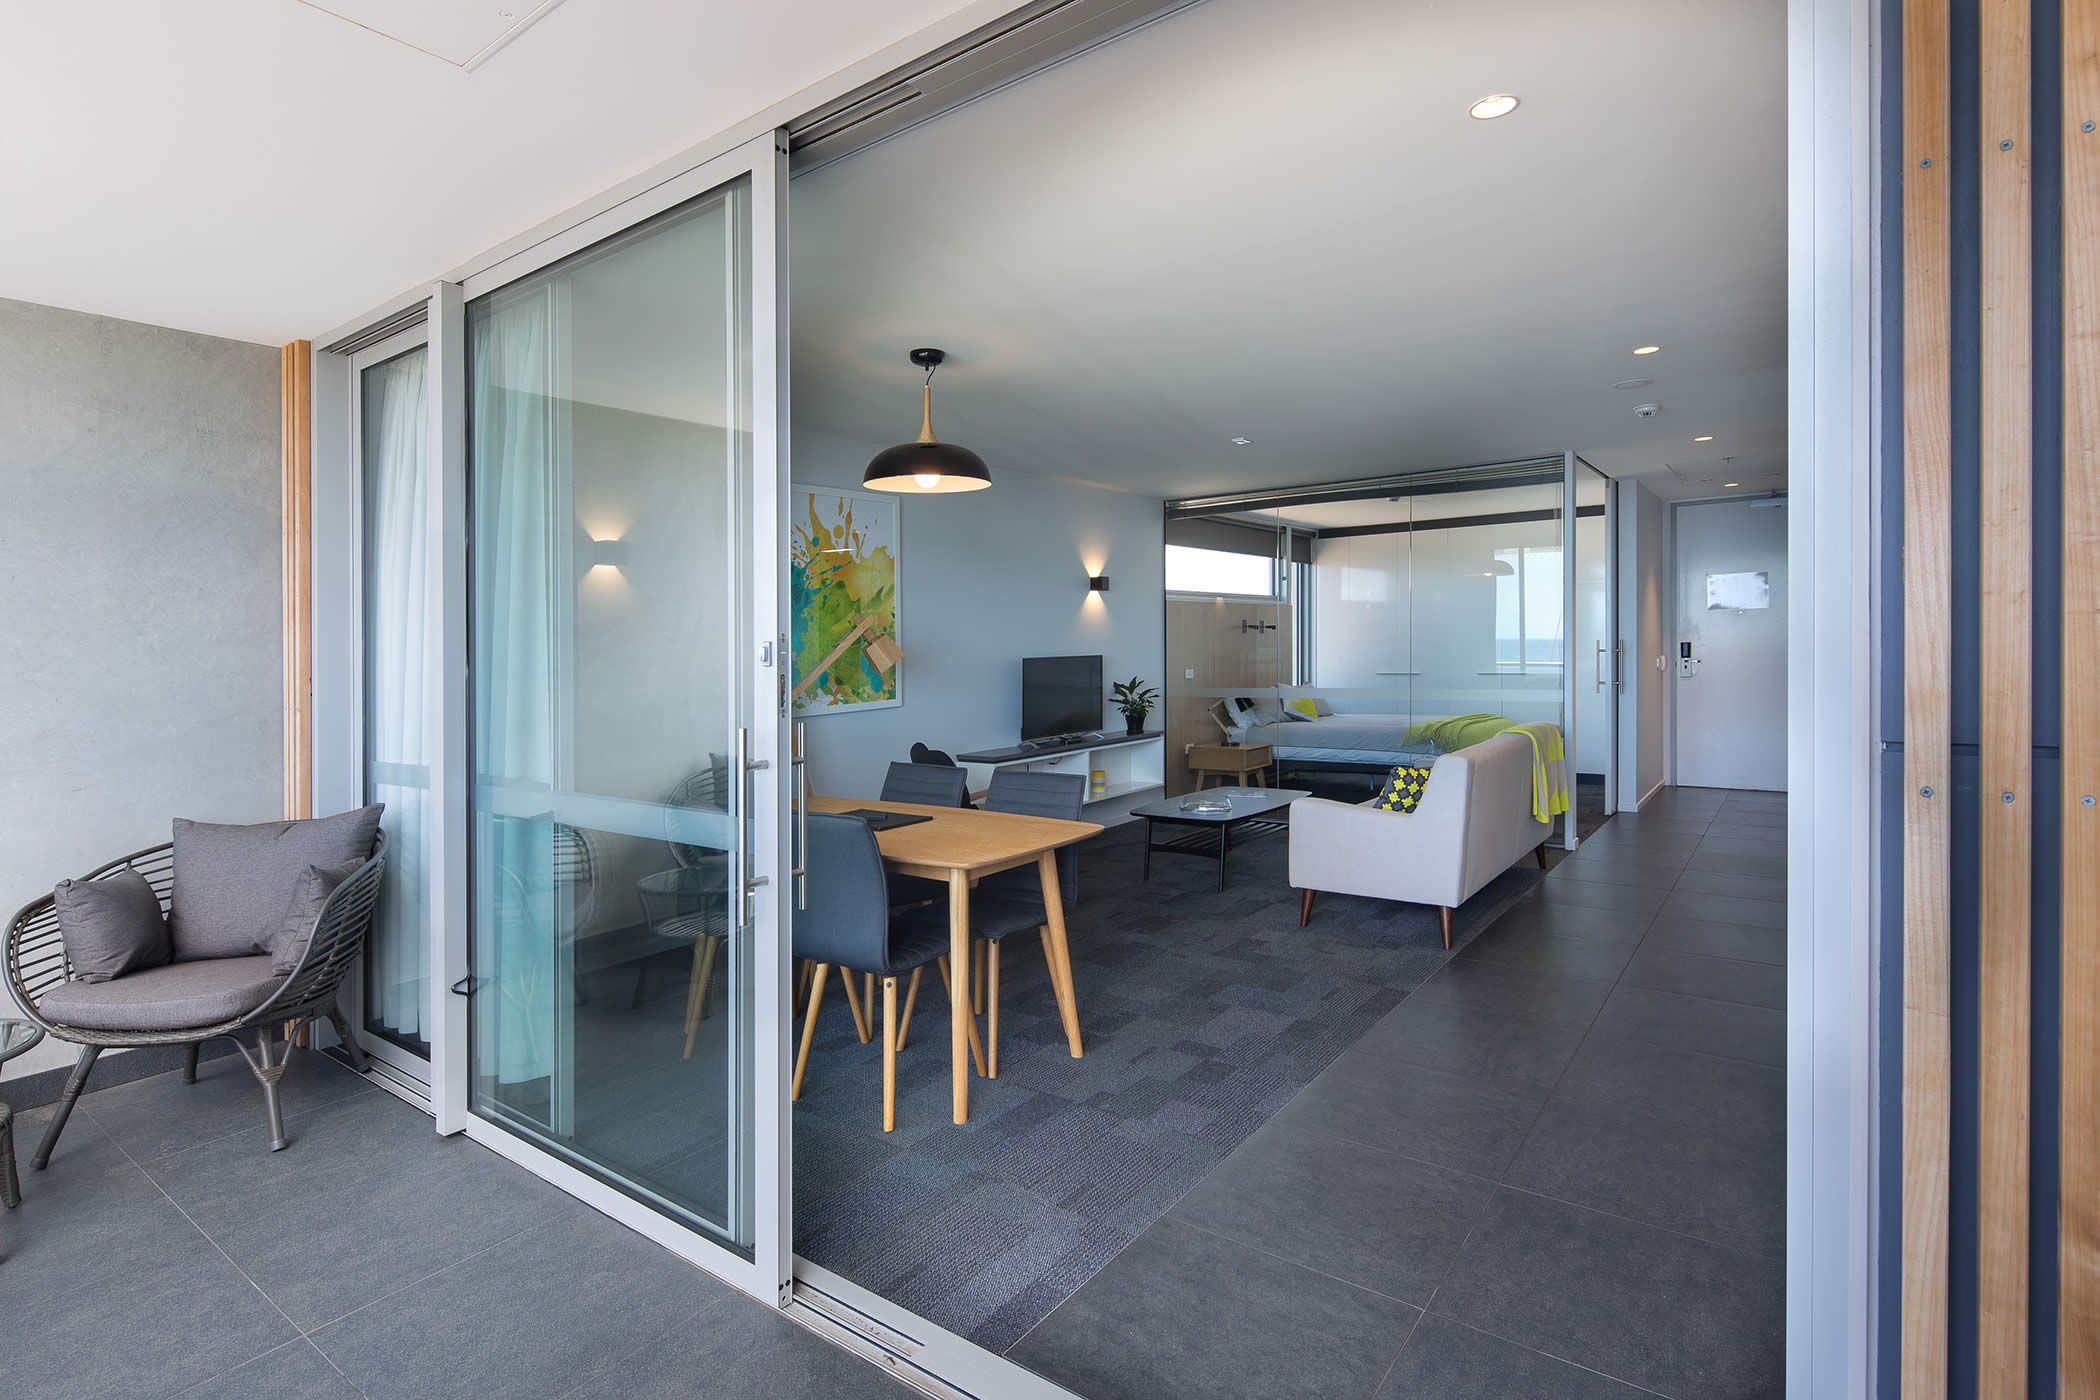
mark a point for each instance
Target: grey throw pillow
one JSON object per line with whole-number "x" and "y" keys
{"x": 232, "y": 882}
{"x": 110, "y": 926}
{"x": 297, "y": 925}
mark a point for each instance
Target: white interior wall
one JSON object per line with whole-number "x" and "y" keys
{"x": 1644, "y": 703}
{"x": 986, "y": 578}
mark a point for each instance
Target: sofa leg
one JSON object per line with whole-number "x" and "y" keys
{"x": 189, "y": 1062}
{"x": 351, "y": 1048}
{"x": 1305, "y": 909}
{"x": 1540, "y": 851}
{"x": 75, "y": 1082}
{"x": 1444, "y": 913}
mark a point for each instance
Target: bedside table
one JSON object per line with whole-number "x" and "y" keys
{"x": 1235, "y": 763}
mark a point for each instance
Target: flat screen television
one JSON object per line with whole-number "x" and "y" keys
{"x": 1060, "y": 695}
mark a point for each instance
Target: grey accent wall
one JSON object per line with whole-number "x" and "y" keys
{"x": 988, "y": 577}
{"x": 140, "y": 598}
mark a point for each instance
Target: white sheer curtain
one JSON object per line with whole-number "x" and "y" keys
{"x": 397, "y": 639}
{"x": 511, "y": 453}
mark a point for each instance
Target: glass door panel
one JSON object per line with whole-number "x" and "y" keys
{"x": 611, "y": 499}
{"x": 1596, "y": 639}
{"x": 393, "y": 414}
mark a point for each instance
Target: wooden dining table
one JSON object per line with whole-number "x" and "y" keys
{"x": 960, "y": 846}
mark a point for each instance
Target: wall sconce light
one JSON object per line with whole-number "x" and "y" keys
{"x": 612, "y": 553}
{"x": 1098, "y": 583}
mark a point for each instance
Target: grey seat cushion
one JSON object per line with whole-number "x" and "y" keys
{"x": 232, "y": 883}
{"x": 180, "y": 996}
{"x": 110, "y": 926}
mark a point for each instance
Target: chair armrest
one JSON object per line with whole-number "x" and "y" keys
{"x": 1370, "y": 851}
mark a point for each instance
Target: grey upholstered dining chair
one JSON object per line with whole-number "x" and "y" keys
{"x": 1011, "y": 901}
{"x": 849, "y": 925}
{"x": 188, "y": 1003}
{"x": 930, "y": 785}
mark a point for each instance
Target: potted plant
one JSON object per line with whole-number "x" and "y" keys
{"x": 1135, "y": 699}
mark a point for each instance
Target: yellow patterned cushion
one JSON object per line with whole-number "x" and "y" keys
{"x": 1304, "y": 707}
{"x": 1404, "y": 789}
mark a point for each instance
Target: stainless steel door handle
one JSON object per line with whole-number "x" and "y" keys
{"x": 745, "y": 883}
{"x": 1600, "y": 667}
{"x": 801, "y": 800}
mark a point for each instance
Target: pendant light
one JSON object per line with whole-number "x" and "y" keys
{"x": 927, "y": 466}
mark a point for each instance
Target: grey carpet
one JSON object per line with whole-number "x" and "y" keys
{"x": 1203, "y": 1012}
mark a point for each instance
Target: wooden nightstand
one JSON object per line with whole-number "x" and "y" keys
{"x": 1235, "y": 763}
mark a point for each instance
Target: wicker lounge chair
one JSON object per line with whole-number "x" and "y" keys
{"x": 188, "y": 1003}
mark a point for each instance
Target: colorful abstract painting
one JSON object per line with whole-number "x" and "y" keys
{"x": 843, "y": 567}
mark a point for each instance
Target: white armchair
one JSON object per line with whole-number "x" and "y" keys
{"x": 1474, "y": 821}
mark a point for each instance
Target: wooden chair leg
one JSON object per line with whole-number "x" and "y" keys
{"x": 1444, "y": 913}
{"x": 1540, "y": 851}
{"x": 802, "y": 974}
{"x": 977, "y": 980}
{"x": 991, "y": 1006}
{"x": 889, "y": 1054}
{"x": 1057, "y": 983}
{"x": 860, "y": 1018}
{"x": 809, "y": 1026}
{"x": 911, "y": 1000}
{"x": 1305, "y": 909}
{"x": 948, "y": 986}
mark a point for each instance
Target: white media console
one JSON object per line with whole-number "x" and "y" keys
{"x": 1133, "y": 766}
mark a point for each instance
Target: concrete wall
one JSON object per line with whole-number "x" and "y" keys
{"x": 986, "y": 578}
{"x": 140, "y": 593}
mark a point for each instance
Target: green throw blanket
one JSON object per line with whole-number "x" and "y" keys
{"x": 1458, "y": 732}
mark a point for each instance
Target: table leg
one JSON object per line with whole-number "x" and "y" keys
{"x": 1224, "y": 844}
{"x": 1148, "y": 849}
{"x": 1061, "y": 969}
{"x": 960, "y": 1022}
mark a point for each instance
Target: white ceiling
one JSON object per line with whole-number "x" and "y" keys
{"x": 1278, "y": 222}
{"x": 265, "y": 170}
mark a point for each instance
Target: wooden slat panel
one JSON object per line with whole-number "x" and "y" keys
{"x": 2079, "y": 1200}
{"x": 1928, "y": 648}
{"x": 2005, "y": 789}
{"x": 296, "y": 369}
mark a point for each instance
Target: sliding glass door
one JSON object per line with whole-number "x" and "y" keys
{"x": 390, "y": 426}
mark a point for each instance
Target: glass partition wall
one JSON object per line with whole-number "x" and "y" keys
{"x": 1397, "y": 605}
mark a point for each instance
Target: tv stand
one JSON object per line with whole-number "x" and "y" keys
{"x": 1134, "y": 766}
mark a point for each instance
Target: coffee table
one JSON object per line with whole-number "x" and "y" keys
{"x": 1249, "y": 811}
{"x": 15, "y": 1037}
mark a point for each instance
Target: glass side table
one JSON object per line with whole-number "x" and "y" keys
{"x": 15, "y": 1037}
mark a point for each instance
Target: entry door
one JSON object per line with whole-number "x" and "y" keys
{"x": 1731, "y": 619}
{"x": 625, "y": 491}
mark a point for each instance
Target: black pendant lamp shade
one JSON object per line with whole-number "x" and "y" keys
{"x": 927, "y": 467}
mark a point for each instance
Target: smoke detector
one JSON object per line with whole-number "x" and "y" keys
{"x": 1646, "y": 410}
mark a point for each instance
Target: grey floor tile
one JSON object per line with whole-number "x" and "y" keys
{"x": 397, "y": 1201}
{"x": 737, "y": 1348}
{"x": 1446, "y": 1119}
{"x": 1771, "y": 867}
{"x": 1608, "y": 866}
{"x": 1371, "y": 1217}
{"x": 1763, "y": 887}
{"x": 1444, "y": 1360}
{"x": 295, "y": 1371}
{"x": 1725, "y": 909}
{"x": 1184, "y": 1312}
{"x": 150, "y": 1330}
{"x": 536, "y": 1315}
{"x": 1548, "y": 915}
{"x": 1472, "y": 1041}
{"x": 1702, "y": 1094}
{"x": 153, "y": 1117}
{"x": 1766, "y": 945}
{"x": 1700, "y": 975}
{"x": 1516, "y": 991}
{"x": 90, "y": 1215}
{"x": 1645, "y": 821}
{"x": 1653, "y": 1167}
{"x": 1760, "y": 835}
{"x": 1524, "y": 945}
{"x": 1708, "y": 1027}
{"x": 1622, "y": 899}
{"x": 1662, "y": 1311}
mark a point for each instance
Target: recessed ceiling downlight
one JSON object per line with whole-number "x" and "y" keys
{"x": 1726, "y": 484}
{"x": 1500, "y": 104}
{"x": 1708, "y": 438}
{"x": 1646, "y": 349}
